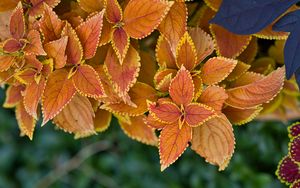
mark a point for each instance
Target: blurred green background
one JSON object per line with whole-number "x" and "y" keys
{"x": 111, "y": 159}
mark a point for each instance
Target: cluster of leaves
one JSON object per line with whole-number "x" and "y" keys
{"x": 84, "y": 62}
{"x": 288, "y": 169}
{"x": 249, "y": 17}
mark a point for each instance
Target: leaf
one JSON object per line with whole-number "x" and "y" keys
{"x": 249, "y": 54}
{"x": 58, "y": 93}
{"x": 216, "y": 69}
{"x": 74, "y": 49}
{"x": 13, "y": 96}
{"x": 172, "y": 143}
{"x": 25, "y": 76}
{"x": 102, "y": 120}
{"x": 122, "y": 76}
{"x": 25, "y": 121}
{"x": 287, "y": 170}
{"x": 196, "y": 114}
{"x": 89, "y": 34}
{"x": 259, "y": 92}
{"x": 165, "y": 112}
{"x": 139, "y": 131}
{"x": 214, "y": 140}
{"x": 164, "y": 54}
{"x": 163, "y": 77}
{"x": 17, "y": 23}
{"x": 32, "y": 96}
{"x": 141, "y": 17}
{"x": 91, "y": 5}
{"x": 186, "y": 53}
{"x": 6, "y": 62}
{"x": 139, "y": 94}
{"x": 50, "y": 25}
{"x": 294, "y": 130}
{"x": 148, "y": 68}
{"x": 238, "y": 71}
{"x": 153, "y": 123}
{"x": 4, "y": 24}
{"x": 107, "y": 29}
{"x": 294, "y": 149}
{"x": 120, "y": 43}
{"x": 228, "y": 44}
{"x": 57, "y": 51}
{"x": 182, "y": 87}
{"x": 87, "y": 82}
{"x": 174, "y": 24}
{"x": 37, "y": 6}
{"x": 203, "y": 43}
{"x": 12, "y": 45}
{"x": 35, "y": 44}
{"x": 248, "y": 17}
{"x": 241, "y": 116}
{"x": 246, "y": 78}
{"x": 214, "y": 96}
{"x": 77, "y": 117}
{"x": 6, "y": 5}
{"x": 114, "y": 13}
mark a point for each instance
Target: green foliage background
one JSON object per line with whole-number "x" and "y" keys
{"x": 127, "y": 163}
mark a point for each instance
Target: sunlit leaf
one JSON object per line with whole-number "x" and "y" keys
{"x": 57, "y": 51}
{"x": 213, "y": 96}
{"x": 13, "y": 96}
{"x": 25, "y": 121}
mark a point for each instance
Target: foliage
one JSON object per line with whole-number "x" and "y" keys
{"x": 80, "y": 65}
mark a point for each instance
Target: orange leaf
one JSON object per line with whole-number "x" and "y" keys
{"x": 203, "y": 43}
{"x": 35, "y": 44}
{"x": 246, "y": 78}
{"x": 186, "y": 53}
{"x": 58, "y": 93}
{"x": 182, "y": 87}
{"x": 229, "y": 44}
{"x": 12, "y": 45}
{"x": 89, "y": 34}
{"x": 17, "y": 23}
{"x": 153, "y": 123}
{"x": 57, "y": 51}
{"x": 6, "y": 62}
{"x": 91, "y": 5}
{"x": 32, "y": 96}
{"x": 74, "y": 49}
{"x": 249, "y": 54}
{"x": 139, "y": 131}
{"x": 214, "y": 140}
{"x": 107, "y": 29}
{"x": 239, "y": 70}
{"x": 258, "y": 92}
{"x": 6, "y": 5}
{"x": 172, "y": 143}
{"x": 77, "y": 117}
{"x": 13, "y": 96}
{"x": 113, "y": 11}
{"x": 33, "y": 62}
{"x": 241, "y": 116}
{"x": 163, "y": 78}
{"x": 174, "y": 24}
{"x": 141, "y": 17}
{"x": 25, "y": 76}
{"x": 120, "y": 43}
{"x": 148, "y": 68}
{"x": 123, "y": 76}
{"x": 216, "y": 69}
{"x": 166, "y": 112}
{"x": 214, "y": 97}
{"x": 139, "y": 94}
{"x": 4, "y": 24}
{"x": 87, "y": 82}
{"x": 164, "y": 54}
{"x": 198, "y": 84}
{"x": 50, "y": 25}
{"x": 37, "y": 6}
{"x": 196, "y": 114}
{"x": 102, "y": 120}
{"x": 25, "y": 121}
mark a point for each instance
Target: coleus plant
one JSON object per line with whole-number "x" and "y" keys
{"x": 90, "y": 60}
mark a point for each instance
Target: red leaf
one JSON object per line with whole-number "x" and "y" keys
{"x": 120, "y": 43}
{"x": 153, "y": 123}
{"x": 74, "y": 49}
{"x": 58, "y": 93}
{"x": 50, "y": 25}
{"x": 35, "y": 44}
{"x": 172, "y": 143}
{"x": 12, "y": 45}
{"x": 196, "y": 114}
{"x": 32, "y": 96}
{"x": 141, "y": 17}
{"x": 164, "y": 54}
{"x": 89, "y": 34}
{"x": 182, "y": 88}
{"x": 165, "y": 112}
{"x": 17, "y": 23}
{"x": 113, "y": 11}
{"x": 87, "y": 82}
{"x": 37, "y": 6}
{"x": 57, "y": 51}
